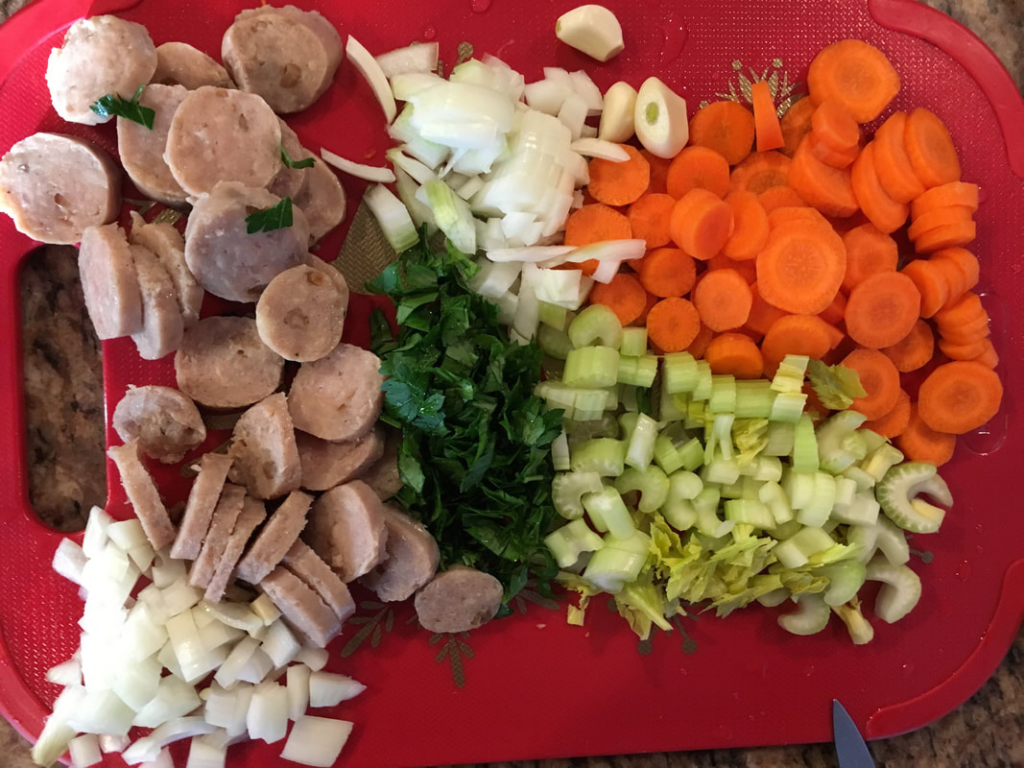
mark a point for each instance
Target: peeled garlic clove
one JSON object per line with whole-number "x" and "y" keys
{"x": 617, "y": 118}
{"x": 592, "y": 29}
{"x": 660, "y": 119}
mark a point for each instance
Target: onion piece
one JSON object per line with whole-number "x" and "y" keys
{"x": 174, "y": 698}
{"x": 241, "y": 616}
{"x": 588, "y": 91}
{"x": 280, "y": 645}
{"x": 393, "y": 217}
{"x": 137, "y": 684}
{"x": 298, "y": 690}
{"x": 268, "y": 713}
{"x": 606, "y": 271}
{"x": 66, "y": 673}
{"x": 605, "y": 150}
{"x": 374, "y": 75}
{"x": 316, "y": 741}
{"x": 95, "y": 538}
{"x": 494, "y": 280}
{"x": 573, "y": 114}
{"x": 417, "y": 170}
{"x": 609, "y": 250}
{"x": 127, "y": 534}
{"x": 192, "y": 655}
{"x": 141, "y": 636}
{"x": 110, "y": 744}
{"x": 533, "y": 253}
{"x": 148, "y": 747}
{"x": 163, "y": 760}
{"x": 69, "y": 561}
{"x": 227, "y": 675}
{"x": 256, "y": 668}
{"x": 547, "y": 95}
{"x": 167, "y": 570}
{"x": 53, "y": 741}
{"x": 327, "y": 689}
{"x": 314, "y": 658}
{"x": 418, "y": 57}
{"x": 85, "y": 751}
{"x": 407, "y": 84}
{"x": 560, "y": 287}
{"x": 203, "y": 754}
{"x": 375, "y": 173}
{"x": 101, "y": 712}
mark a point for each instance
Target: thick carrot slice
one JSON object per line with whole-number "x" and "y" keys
{"x": 760, "y": 172}
{"x": 891, "y": 161}
{"x": 700, "y": 344}
{"x": 750, "y": 226}
{"x": 868, "y": 251}
{"x": 988, "y": 358}
{"x": 931, "y": 284}
{"x": 623, "y": 295}
{"x": 919, "y": 442}
{"x": 766, "y": 120}
{"x": 780, "y": 197}
{"x": 959, "y": 396}
{"x": 826, "y": 188}
{"x": 835, "y": 336}
{"x": 880, "y": 380}
{"x": 801, "y": 267}
{"x": 834, "y": 127}
{"x": 701, "y": 223}
{"x": 735, "y": 354}
{"x": 788, "y": 214}
{"x": 727, "y": 127}
{"x": 968, "y": 309}
{"x": 930, "y": 149}
{"x": 651, "y": 301}
{"x": 882, "y": 309}
{"x": 835, "y": 313}
{"x": 614, "y": 183}
{"x": 881, "y": 210}
{"x": 667, "y": 272}
{"x": 926, "y": 222}
{"x": 659, "y": 172}
{"x": 595, "y": 223}
{"x": 969, "y": 333}
{"x": 795, "y": 335}
{"x": 964, "y": 262}
{"x": 855, "y": 75}
{"x": 796, "y": 123}
{"x": 914, "y": 350}
{"x": 673, "y": 324}
{"x": 829, "y": 156}
{"x": 698, "y": 168}
{"x": 762, "y": 314}
{"x": 947, "y": 236}
{"x": 649, "y": 219}
{"x": 723, "y": 299}
{"x": 747, "y": 269}
{"x": 954, "y": 193}
{"x": 895, "y": 421}
{"x": 962, "y": 351}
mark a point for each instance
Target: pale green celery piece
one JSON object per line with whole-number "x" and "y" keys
{"x": 771, "y": 494}
{"x": 862, "y": 509}
{"x": 553, "y": 316}
{"x": 696, "y": 410}
{"x": 583, "y": 414}
{"x": 732, "y": 490}
{"x": 805, "y": 446}
{"x": 780, "y": 439}
{"x": 845, "y": 580}
{"x": 666, "y": 455}
{"x": 723, "y": 394}
{"x": 881, "y": 460}
{"x": 872, "y": 439}
{"x": 706, "y": 504}
{"x": 642, "y": 604}
{"x": 570, "y": 541}
{"x": 799, "y": 487}
{"x": 786, "y": 530}
{"x": 590, "y": 404}
{"x": 864, "y": 481}
{"x": 596, "y": 323}
{"x": 568, "y": 488}
{"x": 556, "y": 395}
{"x": 610, "y": 568}
{"x": 751, "y": 488}
{"x": 560, "y": 452}
{"x": 684, "y": 485}
{"x": 667, "y": 409}
{"x": 884, "y": 536}
{"x": 627, "y": 423}
{"x": 722, "y": 471}
{"x": 797, "y": 550}
{"x": 789, "y": 376}
{"x": 750, "y": 512}
{"x": 855, "y": 445}
{"x": 554, "y": 342}
{"x": 452, "y": 215}
{"x": 652, "y": 483}
{"x": 774, "y": 598}
{"x": 860, "y": 630}
{"x": 591, "y": 367}
{"x": 769, "y": 468}
{"x": 627, "y": 397}
{"x": 718, "y": 438}
{"x": 680, "y": 373}
{"x": 845, "y": 491}
{"x": 704, "y": 382}
{"x": 608, "y": 512}
{"x": 680, "y": 514}
{"x": 636, "y": 542}
{"x": 811, "y": 616}
{"x": 640, "y": 446}
{"x": 692, "y": 454}
{"x": 898, "y": 493}
{"x": 634, "y": 342}
{"x": 832, "y": 436}
{"x": 603, "y": 455}
{"x": 788, "y": 406}
{"x": 816, "y": 513}
{"x": 638, "y": 371}
{"x": 754, "y": 399}
{"x": 900, "y": 592}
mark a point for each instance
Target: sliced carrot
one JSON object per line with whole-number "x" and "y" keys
{"x": 968, "y": 309}
{"x": 919, "y": 442}
{"x": 962, "y": 351}
{"x": 959, "y": 396}
{"x": 868, "y": 251}
{"x": 835, "y": 336}
{"x": 788, "y": 214}
{"x": 651, "y": 301}
{"x": 895, "y": 422}
{"x": 880, "y": 380}
{"x": 780, "y": 197}
{"x": 968, "y": 333}
{"x": 988, "y": 358}
{"x": 914, "y": 350}
{"x": 727, "y": 127}
{"x": 623, "y": 295}
{"x": 795, "y": 335}
{"x": 801, "y": 267}
{"x": 701, "y": 222}
{"x": 965, "y": 264}
{"x": 595, "y": 223}
{"x": 938, "y": 217}
{"x": 667, "y": 272}
{"x": 891, "y": 162}
{"x": 766, "y": 119}
{"x": 615, "y": 183}
{"x": 930, "y": 149}
{"x": 835, "y": 312}
{"x": 834, "y": 127}
{"x": 760, "y": 172}
{"x": 882, "y": 309}
{"x": 659, "y": 172}
{"x": 747, "y": 269}
{"x": 723, "y": 299}
{"x": 826, "y": 188}
{"x": 856, "y": 75}
{"x": 931, "y": 284}
{"x": 796, "y": 123}
{"x": 735, "y": 354}
{"x": 881, "y": 210}
{"x": 673, "y": 324}
{"x": 700, "y": 344}
{"x": 954, "y": 193}
{"x": 649, "y": 219}
{"x": 947, "y": 236}
{"x": 832, "y": 157}
{"x": 762, "y": 314}
{"x": 698, "y": 168}
{"x": 750, "y": 226}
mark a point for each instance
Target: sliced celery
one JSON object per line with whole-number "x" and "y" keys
{"x": 855, "y": 444}
{"x": 652, "y": 483}
{"x": 637, "y": 542}
{"x": 751, "y": 487}
{"x": 596, "y": 323}
{"x": 723, "y": 394}
{"x": 864, "y": 481}
{"x": 811, "y": 617}
{"x": 754, "y": 399}
{"x": 553, "y": 315}
{"x": 684, "y": 485}
{"x": 797, "y": 550}
{"x": 591, "y": 367}
{"x": 627, "y": 423}
{"x": 668, "y": 410}
{"x": 610, "y": 568}
{"x": 680, "y": 514}
{"x": 702, "y": 391}
{"x": 873, "y": 440}
{"x": 787, "y": 530}
{"x": 590, "y": 404}
{"x": 568, "y": 488}
{"x": 788, "y": 406}
{"x": 608, "y": 512}
{"x": 816, "y": 512}
{"x": 666, "y": 454}
{"x": 845, "y": 490}
{"x": 799, "y": 487}
{"x": 722, "y": 471}
{"x": 692, "y": 454}
{"x": 570, "y": 541}
{"x": 706, "y": 505}
{"x": 560, "y": 452}
{"x": 768, "y": 468}
{"x": 640, "y": 447}
{"x": 832, "y": 434}
{"x": 780, "y": 439}
{"x": 862, "y": 510}
{"x": 774, "y": 598}
{"x": 638, "y": 371}
{"x": 805, "y": 446}
{"x": 634, "y": 342}
{"x": 898, "y": 492}
{"x": 771, "y": 494}
{"x": 452, "y": 215}
{"x": 554, "y": 342}
{"x": 603, "y": 455}
{"x": 718, "y": 438}
{"x": 680, "y": 373}
{"x": 845, "y": 580}
{"x": 882, "y": 535}
{"x": 900, "y": 592}
{"x": 557, "y": 395}
{"x": 789, "y": 376}
{"x": 881, "y": 460}
{"x": 749, "y": 511}
{"x": 732, "y": 490}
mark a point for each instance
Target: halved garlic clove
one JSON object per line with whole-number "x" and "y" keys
{"x": 592, "y": 29}
{"x": 617, "y": 121}
{"x": 660, "y": 119}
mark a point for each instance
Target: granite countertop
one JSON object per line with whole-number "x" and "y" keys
{"x": 63, "y": 392}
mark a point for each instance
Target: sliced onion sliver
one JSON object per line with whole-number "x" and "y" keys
{"x": 609, "y": 250}
{"x": 375, "y": 173}
{"x": 532, "y": 253}
{"x": 605, "y": 150}
{"x": 418, "y": 57}
{"x": 374, "y": 75}
{"x": 606, "y": 271}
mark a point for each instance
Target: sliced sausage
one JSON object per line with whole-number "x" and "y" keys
{"x": 276, "y": 538}
{"x": 228, "y": 261}
{"x": 101, "y": 56}
{"x": 141, "y": 149}
{"x": 289, "y": 181}
{"x": 168, "y": 245}
{"x": 226, "y": 513}
{"x": 301, "y": 314}
{"x": 412, "y": 558}
{"x": 382, "y": 476}
{"x": 318, "y": 576}
{"x": 219, "y": 134}
{"x": 301, "y": 607}
{"x": 285, "y": 55}
{"x": 110, "y": 282}
{"x": 143, "y": 495}
{"x": 326, "y": 464}
{"x": 263, "y": 447}
{"x": 251, "y": 517}
{"x": 222, "y": 363}
{"x": 55, "y": 187}
{"x": 181, "y": 64}
{"x": 458, "y": 600}
{"x": 162, "y": 323}
{"x": 346, "y": 529}
{"x": 332, "y": 272}
{"x": 322, "y": 199}
{"x": 202, "y": 499}
{"x": 338, "y": 397}
{"x": 165, "y": 422}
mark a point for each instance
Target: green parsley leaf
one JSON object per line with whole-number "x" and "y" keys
{"x": 295, "y": 164}
{"x": 835, "y": 385}
{"x": 116, "y": 106}
{"x": 277, "y": 216}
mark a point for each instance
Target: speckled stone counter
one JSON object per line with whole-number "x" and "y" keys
{"x": 63, "y": 392}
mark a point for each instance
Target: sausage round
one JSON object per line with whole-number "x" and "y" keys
{"x": 222, "y": 363}
{"x": 332, "y": 272}
{"x": 101, "y": 55}
{"x": 289, "y": 181}
{"x": 338, "y": 397}
{"x": 266, "y": 459}
{"x": 110, "y": 282}
{"x": 458, "y": 600}
{"x": 346, "y": 529}
{"x": 275, "y": 540}
{"x": 166, "y": 242}
{"x": 181, "y": 64}
{"x": 301, "y": 314}
{"x": 142, "y": 149}
{"x": 224, "y": 258}
{"x": 383, "y": 474}
{"x": 326, "y": 464}
{"x": 219, "y": 134}
{"x": 322, "y": 199}
{"x": 56, "y": 186}
{"x": 162, "y": 324}
{"x": 412, "y": 558}
{"x": 165, "y": 422}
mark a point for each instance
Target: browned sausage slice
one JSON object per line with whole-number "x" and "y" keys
{"x": 56, "y": 186}
{"x": 165, "y": 422}
{"x": 326, "y": 464}
{"x": 263, "y": 447}
{"x": 252, "y": 516}
{"x": 458, "y": 600}
{"x": 382, "y": 476}
{"x": 162, "y": 323}
{"x": 226, "y": 513}
{"x": 202, "y": 499}
{"x": 181, "y": 64}
{"x": 412, "y": 558}
{"x": 110, "y": 282}
{"x": 322, "y": 199}
{"x": 338, "y": 397}
{"x": 169, "y": 246}
{"x": 346, "y": 529}
{"x": 318, "y": 576}
{"x": 222, "y": 363}
{"x": 143, "y": 495}
{"x": 276, "y": 538}
{"x": 301, "y": 606}
{"x": 141, "y": 149}
{"x": 301, "y": 314}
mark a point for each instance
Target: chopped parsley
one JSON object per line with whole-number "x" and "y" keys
{"x": 116, "y": 106}
{"x": 295, "y": 164}
{"x": 278, "y": 216}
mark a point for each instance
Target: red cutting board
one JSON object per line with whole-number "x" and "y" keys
{"x": 531, "y": 686}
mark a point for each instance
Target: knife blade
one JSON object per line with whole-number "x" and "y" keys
{"x": 851, "y": 749}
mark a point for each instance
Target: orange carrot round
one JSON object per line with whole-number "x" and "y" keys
{"x": 747, "y": 269}
{"x": 959, "y": 396}
{"x": 881, "y": 210}
{"x": 931, "y": 285}
{"x": 855, "y": 75}
{"x": 895, "y": 421}
{"x": 795, "y": 335}
{"x": 880, "y": 380}
{"x": 826, "y": 188}
{"x": 750, "y": 226}
{"x": 954, "y": 193}
{"x": 788, "y": 214}
{"x": 967, "y": 350}
{"x": 834, "y": 158}
{"x": 780, "y": 197}
{"x": 891, "y": 162}
{"x": 699, "y": 345}
{"x": 914, "y": 350}
{"x": 835, "y": 312}
{"x": 762, "y": 314}
{"x": 727, "y": 127}
{"x": 766, "y": 119}
{"x": 801, "y": 267}
{"x": 666, "y": 272}
{"x": 964, "y": 263}
{"x": 967, "y": 333}
{"x": 735, "y": 354}
{"x": 926, "y": 222}
{"x": 919, "y": 442}
{"x": 698, "y": 168}
{"x": 701, "y": 223}
{"x": 882, "y": 309}
{"x": 947, "y": 236}
{"x": 659, "y": 172}
{"x": 723, "y": 299}
{"x": 649, "y": 219}
{"x": 595, "y": 223}
{"x": 834, "y": 127}
{"x": 673, "y": 324}
{"x": 988, "y": 358}
{"x": 760, "y": 172}
{"x": 622, "y": 183}
{"x": 930, "y": 149}
{"x": 623, "y": 295}
{"x": 868, "y": 251}
{"x": 796, "y": 123}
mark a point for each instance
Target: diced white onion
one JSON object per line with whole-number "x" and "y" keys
{"x": 95, "y": 538}
{"x": 141, "y": 636}
{"x": 588, "y": 91}
{"x": 102, "y": 712}
{"x": 203, "y": 754}
{"x": 573, "y": 114}
{"x": 280, "y": 644}
{"x": 606, "y": 150}
{"x": 256, "y": 668}
{"x": 137, "y": 683}
{"x": 268, "y": 713}
{"x": 167, "y": 570}
{"x": 85, "y": 751}
{"x": 393, "y": 218}
{"x": 417, "y": 170}
{"x": 609, "y": 250}
{"x": 406, "y": 84}
{"x": 547, "y": 96}
{"x": 314, "y": 658}
{"x": 375, "y": 173}
{"x": 326, "y": 689}
{"x": 111, "y": 744}
{"x": 66, "y": 673}
{"x": 533, "y": 253}
{"x": 69, "y": 560}
{"x": 559, "y": 286}
{"x": 174, "y": 698}
{"x": 227, "y": 675}
{"x": 418, "y": 57}
{"x": 148, "y": 747}
{"x": 298, "y": 690}
{"x": 243, "y": 616}
{"x": 127, "y": 534}
{"x": 374, "y": 75}
{"x": 316, "y": 741}
{"x": 163, "y": 760}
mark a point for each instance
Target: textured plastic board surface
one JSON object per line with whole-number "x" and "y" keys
{"x": 531, "y": 685}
